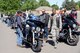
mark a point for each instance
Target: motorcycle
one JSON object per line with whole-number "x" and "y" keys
{"x": 34, "y": 35}
{"x": 70, "y": 32}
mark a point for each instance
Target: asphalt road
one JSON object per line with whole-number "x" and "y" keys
{"x": 8, "y": 43}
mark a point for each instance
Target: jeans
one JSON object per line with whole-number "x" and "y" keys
{"x": 46, "y": 32}
{"x": 19, "y": 36}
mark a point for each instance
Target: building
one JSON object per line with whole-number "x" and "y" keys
{"x": 46, "y": 8}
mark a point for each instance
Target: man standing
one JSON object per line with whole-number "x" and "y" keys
{"x": 51, "y": 19}
{"x": 19, "y": 28}
{"x": 44, "y": 17}
{"x": 56, "y": 26}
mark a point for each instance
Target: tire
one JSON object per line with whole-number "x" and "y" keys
{"x": 74, "y": 41}
{"x": 37, "y": 48}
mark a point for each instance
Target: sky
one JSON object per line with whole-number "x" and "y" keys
{"x": 58, "y": 2}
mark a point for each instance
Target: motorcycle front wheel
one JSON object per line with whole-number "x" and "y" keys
{"x": 73, "y": 41}
{"x": 37, "y": 48}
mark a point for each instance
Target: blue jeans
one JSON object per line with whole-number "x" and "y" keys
{"x": 19, "y": 36}
{"x": 46, "y": 32}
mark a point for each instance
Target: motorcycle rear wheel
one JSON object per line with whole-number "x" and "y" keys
{"x": 74, "y": 41}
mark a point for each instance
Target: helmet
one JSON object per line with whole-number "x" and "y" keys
{"x": 33, "y": 17}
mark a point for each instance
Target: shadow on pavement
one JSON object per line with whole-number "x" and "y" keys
{"x": 51, "y": 42}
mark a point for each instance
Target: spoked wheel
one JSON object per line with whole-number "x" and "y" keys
{"x": 37, "y": 47}
{"x": 73, "y": 41}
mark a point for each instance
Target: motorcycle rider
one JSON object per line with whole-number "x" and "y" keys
{"x": 45, "y": 18}
{"x": 63, "y": 14}
{"x": 73, "y": 13}
{"x": 19, "y": 29}
{"x": 72, "y": 16}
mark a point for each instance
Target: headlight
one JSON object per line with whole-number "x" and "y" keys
{"x": 42, "y": 29}
{"x": 74, "y": 26}
{"x": 27, "y": 26}
{"x": 38, "y": 29}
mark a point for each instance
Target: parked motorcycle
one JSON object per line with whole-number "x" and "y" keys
{"x": 70, "y": 31}
{"x": 34, "y": 34}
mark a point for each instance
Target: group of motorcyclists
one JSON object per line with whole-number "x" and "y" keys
{"x": 53, "y": 24}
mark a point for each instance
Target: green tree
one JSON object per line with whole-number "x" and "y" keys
{"x": 65, "y": 3}
{"x": 9, "y": 6}
{"x": 54, "y": 6}
{"x": 69, "y": 4}
{"x": 78, "y": 3}
{"x": 29, "y": 5}
{"x": 72, "y": 4}
{"x": 44, "y": 3}
{"x": 77, "y": 7}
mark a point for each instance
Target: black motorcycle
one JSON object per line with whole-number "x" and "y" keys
{"x": 70, "y": 31}
{"x": 34, "y": 36}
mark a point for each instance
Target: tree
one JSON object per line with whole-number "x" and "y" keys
{"x": 78, "y": 3}
{"x": 72, "y": 3}
{"x": 29, "y": 5}
{"x": 69, "y": 4}
{"x": 77, "y": 7}
{"x": 65, "y": 3}
{"x": 44, "y": 3}
{"x": 9, "y": 6}
{"x": 54, "y": 6}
